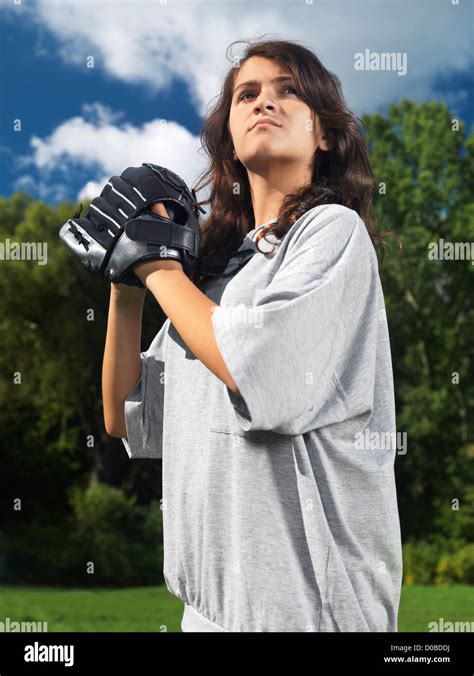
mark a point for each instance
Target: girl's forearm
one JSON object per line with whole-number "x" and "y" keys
{"x": 121, "y": 367}
{"x": 189, "y": 310}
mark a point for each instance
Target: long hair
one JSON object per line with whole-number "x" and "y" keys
{"x": 341, "y": 175}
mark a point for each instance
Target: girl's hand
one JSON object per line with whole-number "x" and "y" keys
{"x": 160, "y": 209}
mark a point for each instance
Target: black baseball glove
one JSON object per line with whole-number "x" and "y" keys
{"x": 119, "y": 229}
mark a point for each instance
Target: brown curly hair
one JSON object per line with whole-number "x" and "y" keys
{"x": 341, "y": 175}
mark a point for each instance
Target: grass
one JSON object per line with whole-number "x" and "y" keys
{"x": 130, "y": 609}
{"x": 421, "y": 605}
{"x": 155, "y": 609}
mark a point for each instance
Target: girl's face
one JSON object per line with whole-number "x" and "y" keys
{"x": 296, "y": 133}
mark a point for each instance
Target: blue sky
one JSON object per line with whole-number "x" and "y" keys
{"x": 158, "y": 65}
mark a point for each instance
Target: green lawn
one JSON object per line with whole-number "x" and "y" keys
{"x": 421, "y": 605}
{"x": 155, "y": 609}
{"x": 130, "y": 609}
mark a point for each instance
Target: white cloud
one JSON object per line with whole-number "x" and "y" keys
{"x": 154, "y": 42}
{"x": 48, "y": 192}
{"x": 95, "y": 141}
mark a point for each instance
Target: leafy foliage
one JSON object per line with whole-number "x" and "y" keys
{"x": 53, "y": 435}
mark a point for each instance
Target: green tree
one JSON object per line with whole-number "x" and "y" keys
{"x": 52, "y": 422}
{"x": 424, "y": 169}
{"x": 424, "y": 173}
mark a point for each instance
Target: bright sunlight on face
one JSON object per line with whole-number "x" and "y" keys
{"x": 263, "y": 89}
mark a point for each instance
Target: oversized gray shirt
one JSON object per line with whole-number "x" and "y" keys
{"x": 279, "y": 504}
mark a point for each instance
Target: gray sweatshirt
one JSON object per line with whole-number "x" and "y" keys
{"x": 279, "y": 504}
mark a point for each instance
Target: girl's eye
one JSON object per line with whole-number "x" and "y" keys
{"x": 245, "y": 93}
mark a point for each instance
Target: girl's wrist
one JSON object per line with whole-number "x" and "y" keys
{"x": 148, "y": 267}
{"x": 124, "y": 293}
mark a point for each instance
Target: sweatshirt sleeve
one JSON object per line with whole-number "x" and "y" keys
{"x": 144, "y": 403}
{"x": 282, "y": 351}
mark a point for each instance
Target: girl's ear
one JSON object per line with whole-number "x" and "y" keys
{"x": 320, "y": 134}
{"x": 324, "y": 144}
